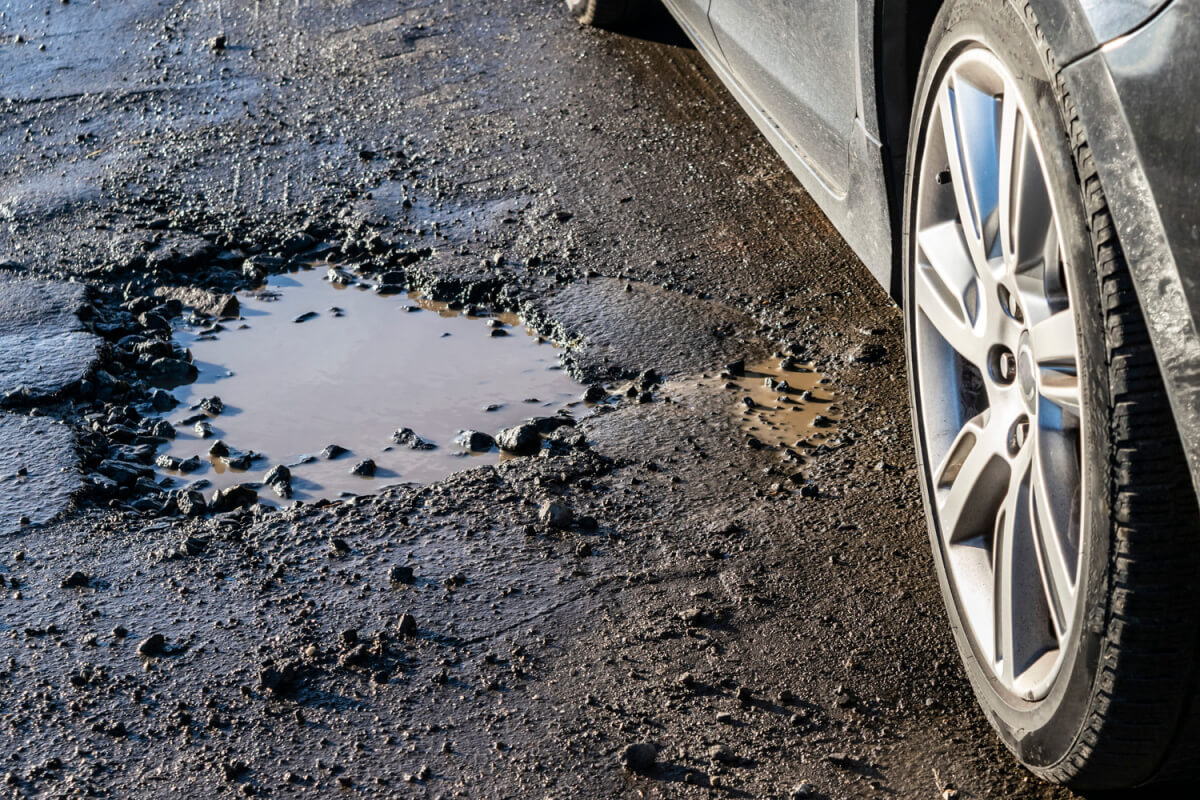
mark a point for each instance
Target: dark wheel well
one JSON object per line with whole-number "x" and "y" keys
{"x": 903, "y": 28}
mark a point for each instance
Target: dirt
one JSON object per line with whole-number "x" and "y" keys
{"x": 646, "y": 605}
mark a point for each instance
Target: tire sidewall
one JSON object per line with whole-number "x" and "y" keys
{"x": 1045, "y": 732}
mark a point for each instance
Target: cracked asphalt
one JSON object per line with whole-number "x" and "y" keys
{"x": 656, "y": 606}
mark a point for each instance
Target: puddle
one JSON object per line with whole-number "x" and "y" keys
{"x": 788, "y": 407}
{"x": 358, "y": 368}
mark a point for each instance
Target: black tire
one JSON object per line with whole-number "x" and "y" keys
{"x": 1122, "y": 711}
{"x": 605, "y": 13}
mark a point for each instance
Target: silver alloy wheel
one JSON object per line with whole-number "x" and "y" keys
{"x": 996, "y": 370}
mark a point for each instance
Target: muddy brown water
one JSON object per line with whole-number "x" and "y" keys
{"x": 790, "y": 407}
{"x": 362, "y": 367}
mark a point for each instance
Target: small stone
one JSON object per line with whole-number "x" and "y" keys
{"x": 595, "y": 394}
{"x": 400, "y": 574}
{"x": 802, "y": 790}
{"x": 639, "y": 757}
{"x": 721, "y": 753}
{"x": 217, "y": 43}
{"x": 333, "y": 451}
{"x": 407, "y": 626}
{"x": 203, "y": 429}
{"x": 218, "y": 449}
{"x": 153, "y": 645}
{"x": 305, "y": 317}
{"x": 522, "y": 439}
{"x": 475, "y": 441}
{"x": 555, "y": 515}
{"x": 232, "y": 497}
{"x": 76, "y": 579}
{"x": 409, "y": 438}
{"x": 364, "y": 468}
{"x": 212, "y": 405}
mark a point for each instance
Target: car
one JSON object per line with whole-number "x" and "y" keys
{"x": 1022, "y": 176}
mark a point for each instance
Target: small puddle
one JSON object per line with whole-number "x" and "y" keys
{"x": 785, "y": 404}
{"x": 313, "y": 363}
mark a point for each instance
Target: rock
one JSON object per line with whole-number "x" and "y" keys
{"x": 217, "y": 43}
{"x": 203, "y": 429}
{"x": 236, "y": 459}
{"x": 802, "y": 790}
{"x": 165, "y": 461}
{"x": 76, "y": 580}
{"x": 204, "y": 302}
{"x": 279, "y": 678}
{"x": 162, "y": 401}
{"x": 218, "y": 449}
{"x": 407, "y": 626}
{"x": 400, "y": 574}
{"x": 162, "y": 429}
{"x": 305, "y": 317}
{"x": 279, "y": 478}
{"x": 595, "y": 394}
{"x": 639, "y": 757}
{"x": 365, "y": 468}
{"x": 522, "y": 440}
{"x": 123, "y": 472}
{"x": 409, "y": 438}
{"x": 232, "y": 497}
{"x": 172, "y": 371}
{"x": 475, "y": 441}
{"x": 721, "y": 753}
{"x": 153, "y": 645}
{"x": 333, "y": 451}
{"x": 550, "y": 424}
{"x": 190, "y": 464}
{"x": 212, "y": 405}
{"x": 191, "y": 503}
{"x": 555, "y": 515}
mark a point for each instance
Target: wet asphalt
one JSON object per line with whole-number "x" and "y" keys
{"x": 658, "y": 607}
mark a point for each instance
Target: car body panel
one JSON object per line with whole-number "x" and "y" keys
{"x": 810, "y": 90}
{"x": 1150, "y": 169}
{"x": 860, "y": 211}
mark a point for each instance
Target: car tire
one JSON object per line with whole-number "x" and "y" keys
{"x": 604, "y": 13}
{"x": 1057, "y": 496}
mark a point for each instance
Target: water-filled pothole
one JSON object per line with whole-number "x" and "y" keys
{"x": 312, "y": 364}
{"x": 785, "y": 404}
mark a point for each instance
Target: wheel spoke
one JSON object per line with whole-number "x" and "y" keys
{"x": 1054, "y": 347}
{"x": 1056, "y": 558}
{"x": 971, "y": 152}
{"x": 1019, "y": 613}
{"x": 1026, "y": 220}
{"x": 971, "y": 479}
{"x": 947, "y": 288}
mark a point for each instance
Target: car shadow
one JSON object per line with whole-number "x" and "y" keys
{"x": 656, "y": 25}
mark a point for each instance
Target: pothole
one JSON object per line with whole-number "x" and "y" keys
{"x": 313, "y": 364}
{"x": 785, "y": 405}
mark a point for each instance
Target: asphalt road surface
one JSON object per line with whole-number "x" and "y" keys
{"x": 704, "y": 612}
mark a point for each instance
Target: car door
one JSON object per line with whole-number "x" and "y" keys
{"x": 796, "y": 59}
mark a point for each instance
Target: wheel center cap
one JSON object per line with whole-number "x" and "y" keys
{"x": 1027, "y": 373}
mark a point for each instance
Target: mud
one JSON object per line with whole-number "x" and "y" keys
{"x": 647, "y": 606}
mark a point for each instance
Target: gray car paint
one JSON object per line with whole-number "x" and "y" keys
{"x": 810, "y": 91}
